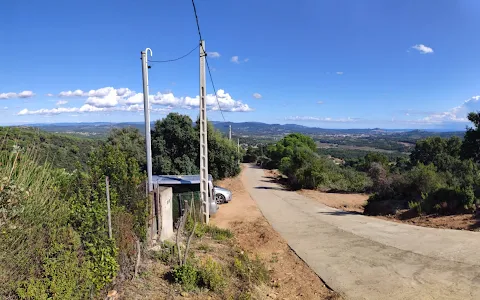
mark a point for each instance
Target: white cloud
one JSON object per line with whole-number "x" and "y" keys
{"x": 61, "y": 102}
{"x": 24, "y": 94}
{"x": 8, "y": 95}
{"x": 322, "y": 119}
{"x": 227, "y": 103}
{"x": 123, "y": 99}
{"x": 339, "y": 73}
{"x": 106, "y": 97}
{"x": 87, "y": 109}
{"x": 319, "y": 102}
{"x": 423, "y": 49}
{"x": 234, "y": 59}
{"x": 49, "y": 95}
{"x": 456, "y": 114}
{"x": 59, "y": 110}
{"x": 213, "y": 54}
{"x": 257, "y": 95}
{"x": 102, "y": 92}
{"x": 246, "y": 59}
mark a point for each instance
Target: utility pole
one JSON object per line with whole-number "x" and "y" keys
{"x": 204, "y": 186}
{"x": 146, "y": 112}
{"x": 230, "y": 132}
{"x": 238, "y": 149}
{"x": 109, "y": 213}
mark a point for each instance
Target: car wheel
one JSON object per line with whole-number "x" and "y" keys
{"x": 220, "y": 199}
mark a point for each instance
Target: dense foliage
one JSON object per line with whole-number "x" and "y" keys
{"x": 54, "y": 241}
{"x": 175, "y": 144}
{"x": 295, "y": 156}
{"x": 41, "y": 255}
{"x": 442, "y": 176}
{"x": 61, "y": 151}
{"x": 351, "y": 156}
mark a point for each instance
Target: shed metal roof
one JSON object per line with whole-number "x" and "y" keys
{"x": 177, "y": 179}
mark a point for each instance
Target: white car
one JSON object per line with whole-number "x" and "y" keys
{"x": 222, "y": 195}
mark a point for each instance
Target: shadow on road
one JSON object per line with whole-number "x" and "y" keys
{"x": 340, "y": 213}
{"x": 270, "y": 188}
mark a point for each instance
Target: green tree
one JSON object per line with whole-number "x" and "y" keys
{"x": 286, "y": 146}
{"x": 175, "y": 149}
{"x": 130, "y": 141}
{"x": 251, "y": 155}
{"x": 174, "y": 146}
{"x": 223, "y": 156}
{"x": 471, "y": 141}
{"x": 441, "y": 152}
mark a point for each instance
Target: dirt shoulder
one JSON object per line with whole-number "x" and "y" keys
{"x": 355, "y": 202}
{"x": 291, "y": 277}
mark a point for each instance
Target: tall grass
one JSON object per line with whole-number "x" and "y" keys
{"x": 35, "y": 240}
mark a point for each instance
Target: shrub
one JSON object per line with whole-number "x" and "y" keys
{"x": 40, "y": 254}
{"x": 187, "y": 275}
{"x": 168, "y": 252}
{"x": 251, "y": 271}
{"x": 416, "y": 206}
{"x": 125, "y": 242}
{"x": 213, "y": 231}
{"x": 450, "y": 201}
{"x": 212, "y": 275}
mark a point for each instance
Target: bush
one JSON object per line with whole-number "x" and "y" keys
{"x": 40, "y": 254}
{"x": 168, "y": 252}
{"x": 187, "y": 275}
{"x": 212, "y": 275}
{"x": 213, "y": 231}
{"x": 251, "y": 271}
{"x": 450, "y": 201}
{"x": 415, "y": 206}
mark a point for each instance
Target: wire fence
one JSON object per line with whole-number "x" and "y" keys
{"x": 179, "y": 199}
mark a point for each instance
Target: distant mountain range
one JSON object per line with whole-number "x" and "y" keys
{"x": 238, "y": 129}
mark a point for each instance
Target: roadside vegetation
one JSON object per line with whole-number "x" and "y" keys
{"x": 295, "y": 156}
{"x": 440, "y": 175}
{"x": 54, "y": 241}
{"x": 203, "y": 262}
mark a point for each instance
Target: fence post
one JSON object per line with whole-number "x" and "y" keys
{"x": 109, "y": 215}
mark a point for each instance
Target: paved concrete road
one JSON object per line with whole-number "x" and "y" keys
{"x": 368, "y": 258}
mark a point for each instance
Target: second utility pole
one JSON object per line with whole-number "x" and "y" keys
{"x": 204, "y": 186}
{"x": 146, "y": 112}
{"x": 230, "y": 132}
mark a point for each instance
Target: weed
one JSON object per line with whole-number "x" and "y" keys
{"x": 274, "y": 258}
{"x": 167, "y": 253}
{"x": 244, "y": 296}
{"x": 204, "y": 247}
{"x": 415, "y": 206}
{"x": 251, "y": 271}
{"x": 219, "y": 234}
{"x": 187, "y": 275}
{"x": 212, "y": 275}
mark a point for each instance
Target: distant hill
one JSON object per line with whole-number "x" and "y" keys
{"x": 251, "y": 129}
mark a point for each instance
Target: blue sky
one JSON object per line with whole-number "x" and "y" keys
{"x": 333, "y": 64}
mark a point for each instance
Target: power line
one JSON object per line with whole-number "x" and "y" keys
{"x": 196, "y": 18}
{"x": 206, "y": 60}
{"x": 174, "y": 59}
{"x": 214, "y": 89}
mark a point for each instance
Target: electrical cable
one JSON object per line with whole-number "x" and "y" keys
{"x": 206, "y": 60}
{"x": 174, "y": 59}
